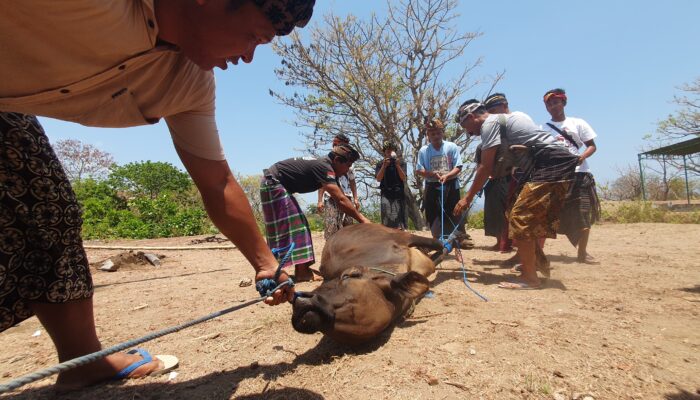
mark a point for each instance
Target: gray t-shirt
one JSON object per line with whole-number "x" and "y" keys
{"x": 519, "y": 130}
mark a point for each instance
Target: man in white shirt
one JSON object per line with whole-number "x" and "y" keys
{"x": 582, "y": 207}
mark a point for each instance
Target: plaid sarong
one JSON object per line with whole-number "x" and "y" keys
{"x": 285, "y": 223}
{"x": 581, "y": 209}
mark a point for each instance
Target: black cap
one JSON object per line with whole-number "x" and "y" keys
{"x": 346, "y": 151}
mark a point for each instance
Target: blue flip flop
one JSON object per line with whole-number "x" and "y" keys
{"x": 169, "y": 363}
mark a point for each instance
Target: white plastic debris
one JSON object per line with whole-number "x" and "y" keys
{"x": 172, "y": 375}
{"x": 37, "y": 333}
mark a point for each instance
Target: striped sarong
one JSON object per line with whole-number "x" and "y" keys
{"x": 581, "y": 209}
{"x": 285, "y": 223}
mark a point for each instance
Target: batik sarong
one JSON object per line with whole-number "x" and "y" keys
{"x": 41, "y": 251}
{"x": 393, "y": 212}
{"x": 535, "y": 213}
{"x": 333, "y": 217}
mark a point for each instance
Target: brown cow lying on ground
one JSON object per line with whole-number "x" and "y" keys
{"x": 356, "y": 302}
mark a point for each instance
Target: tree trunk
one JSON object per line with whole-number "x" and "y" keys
{"x": 414, "y": 213}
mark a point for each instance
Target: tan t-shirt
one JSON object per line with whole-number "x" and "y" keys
{"x": 95, "y": 62}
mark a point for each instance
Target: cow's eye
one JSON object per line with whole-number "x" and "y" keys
{"x": 353, "y": 274}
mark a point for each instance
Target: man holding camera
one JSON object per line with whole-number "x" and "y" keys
{"x": 391, "y": 175}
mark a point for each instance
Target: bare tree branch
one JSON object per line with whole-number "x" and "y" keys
{"x": 378, "y": 79}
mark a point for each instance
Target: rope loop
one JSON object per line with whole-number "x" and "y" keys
{"x": 268, "y": 286}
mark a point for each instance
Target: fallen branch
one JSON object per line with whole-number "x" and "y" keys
{"x": 427, "y": 315}
{"x": 455, "y": 384}
{"x": 97, "y": 247}
{"x": 513, "y": 324}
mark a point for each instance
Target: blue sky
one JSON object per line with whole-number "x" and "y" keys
{"x": 619, "y": 61}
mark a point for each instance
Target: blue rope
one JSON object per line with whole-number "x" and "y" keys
{"x": 464, "y": 278}
{"x": 88, "y": 358}
{"x": 447, "y": 243}
{"x": 265, "y": 287}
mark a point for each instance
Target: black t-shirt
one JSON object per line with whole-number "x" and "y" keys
{"x": 391, "y": 185}
{"x": 303, "y": 174}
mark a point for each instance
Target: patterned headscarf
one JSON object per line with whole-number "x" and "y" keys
{"x": 346, "y": 151}
{"x": 287, "y": 14}
{"x": 494, "y": 100}
{"x": 555, "y": 93}
{"x": 468, "y": 107}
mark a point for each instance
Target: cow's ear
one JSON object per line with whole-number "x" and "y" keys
{"x": 411, "y": 284}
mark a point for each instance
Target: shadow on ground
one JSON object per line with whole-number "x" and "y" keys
{"x": 218, "y": 385}
{"x": 692, "y": 289}
{"x": 683, "y": 395}
{"x": 487, "y": 278}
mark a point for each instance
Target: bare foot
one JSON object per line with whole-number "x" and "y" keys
{"x": 587, "y": 259}
{"x": 305, "y": 274}
{"x": 520, "y": 285}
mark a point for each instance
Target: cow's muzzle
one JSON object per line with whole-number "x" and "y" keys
{"x": 312, "y": 313}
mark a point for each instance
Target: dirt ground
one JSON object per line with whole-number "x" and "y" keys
{"x": 626, "y": 329}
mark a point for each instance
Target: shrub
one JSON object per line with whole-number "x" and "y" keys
{"x": 475, "y": 220}
{"x": 640, "y": 211}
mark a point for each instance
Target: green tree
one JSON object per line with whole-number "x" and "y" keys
{"x": 129, "y": 204}
{"x": 149, "y": 179}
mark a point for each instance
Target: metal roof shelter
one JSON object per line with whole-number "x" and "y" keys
{"x": 674, "y": 151}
